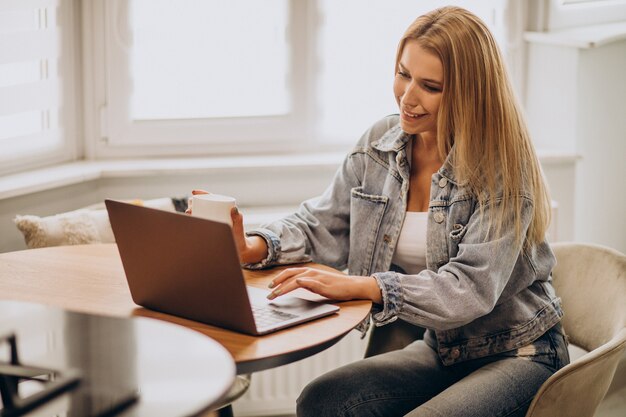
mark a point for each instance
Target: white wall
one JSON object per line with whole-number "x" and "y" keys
{"x": 575, "y": 101}
{"x": 601, "y": 140}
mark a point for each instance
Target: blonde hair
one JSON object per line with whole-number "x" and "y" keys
{"x": 492, "y": 154}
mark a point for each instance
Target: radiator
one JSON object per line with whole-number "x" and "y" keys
{"x": 274, "y": 392}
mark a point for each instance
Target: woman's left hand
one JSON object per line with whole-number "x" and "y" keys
{"x": 333, "y": 285}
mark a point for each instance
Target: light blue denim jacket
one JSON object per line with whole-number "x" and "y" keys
{"x": 477, "y": 297}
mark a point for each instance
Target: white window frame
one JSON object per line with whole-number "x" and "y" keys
{"x": 69, "y": 125}
{"x": 107, "y": 137}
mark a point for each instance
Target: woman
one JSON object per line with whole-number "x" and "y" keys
{"x": 440, "y": 215}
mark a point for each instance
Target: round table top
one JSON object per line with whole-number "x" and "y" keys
{"x": 90, "y": 279}
{"x": 137, "y": 366}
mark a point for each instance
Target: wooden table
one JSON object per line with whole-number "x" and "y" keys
{"x": 90, "y": 279}
{"x": 129, "y": 367}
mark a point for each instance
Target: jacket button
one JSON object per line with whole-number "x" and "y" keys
{"x": 455, "y": 353}
{"x": 443, "y": 182}
{"x": 439, "y": 217}
{"x": 457, "y": 226}
{"x": 387, "y": 239}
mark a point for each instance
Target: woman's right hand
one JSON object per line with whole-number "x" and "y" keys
{"x": 252, "y": 249}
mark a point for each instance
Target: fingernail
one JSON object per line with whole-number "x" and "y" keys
{"x": 270, "y": 285}
{"x": 273, "y": 295}
{"x": 236, "y": 210}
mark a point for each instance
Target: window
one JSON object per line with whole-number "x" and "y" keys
{"x": 549, "y": 15}
{"x": 36, "y": 105}
{"x": 356, "y": 50}
{"x": 210, "y": 68}
{"x": 199, "y": 77}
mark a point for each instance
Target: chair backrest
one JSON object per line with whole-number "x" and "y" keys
{"x": 591, "y": 281}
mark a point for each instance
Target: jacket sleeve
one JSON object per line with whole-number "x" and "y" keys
{"x": 319, "y": 231}
{"x": 464, "y": 289}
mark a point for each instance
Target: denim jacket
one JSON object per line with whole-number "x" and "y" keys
{"x": 477, "y": 297}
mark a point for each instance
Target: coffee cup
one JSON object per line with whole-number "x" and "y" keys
{"x": 214, "y": 207}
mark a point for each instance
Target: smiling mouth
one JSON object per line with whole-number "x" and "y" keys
{"x": 413, "y": 115}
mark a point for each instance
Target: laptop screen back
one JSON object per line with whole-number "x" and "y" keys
{"x": 181, "y": 265}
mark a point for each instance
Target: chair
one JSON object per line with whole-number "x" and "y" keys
{"x": 224, "y": 407}
{"x": 591, "y": 281}
{"x": 392, "y": 336}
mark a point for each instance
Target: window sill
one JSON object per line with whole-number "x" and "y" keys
{"x": 62, "y": 175}
{"x": 584, "y": 37}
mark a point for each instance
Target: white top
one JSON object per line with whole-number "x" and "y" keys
{"x": 410, "y": 253}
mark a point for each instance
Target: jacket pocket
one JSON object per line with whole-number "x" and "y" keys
{"x": 457, "y": 232}
{"x": 456, "y": 236}
{"x": 366, "y": 215}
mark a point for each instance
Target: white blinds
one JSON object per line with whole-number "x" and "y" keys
{"x": 30, "y": 79}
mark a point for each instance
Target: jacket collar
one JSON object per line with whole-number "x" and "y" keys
{"x": 395, "y": 139}
{"x": 447, "y": 168}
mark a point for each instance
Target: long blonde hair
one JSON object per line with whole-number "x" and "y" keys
{"x": 480, "y": 121}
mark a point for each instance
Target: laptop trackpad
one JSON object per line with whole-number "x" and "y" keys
{"x": 286, "y": 303}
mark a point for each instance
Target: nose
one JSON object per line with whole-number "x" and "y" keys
{"x": 411, "y": 97}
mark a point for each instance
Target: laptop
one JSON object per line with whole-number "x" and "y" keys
{"x": 189, "y": 267}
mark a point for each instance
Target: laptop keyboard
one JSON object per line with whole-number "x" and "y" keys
{"x": 265, "y": 316}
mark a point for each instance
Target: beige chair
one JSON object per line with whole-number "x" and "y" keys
{"x": 591, "y": 281}
{"x": 224, "y": 407}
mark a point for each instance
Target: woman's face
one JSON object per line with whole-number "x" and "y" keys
{"x": 418, "y": 85}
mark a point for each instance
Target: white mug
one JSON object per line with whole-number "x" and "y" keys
{"x": 214, "y": 207}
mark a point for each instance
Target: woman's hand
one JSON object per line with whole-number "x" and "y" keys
{"x": 333, "y": 285}
{"x": 190, "y": 201}
{"x": 251, "y": 249}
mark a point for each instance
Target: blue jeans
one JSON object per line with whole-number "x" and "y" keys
{"x": 414, "y": 382}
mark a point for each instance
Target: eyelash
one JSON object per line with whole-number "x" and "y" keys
{"x": 432, "y": 89}
{"x": 403, "y": 74}
{"x": 426, "y": 86}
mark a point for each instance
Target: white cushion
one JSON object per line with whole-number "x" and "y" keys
{"x": 82, "y": 226}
